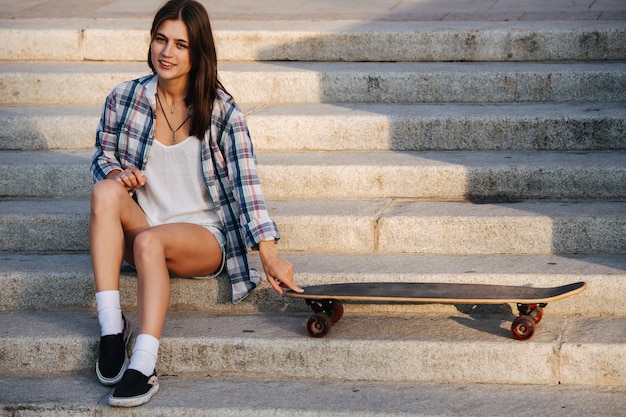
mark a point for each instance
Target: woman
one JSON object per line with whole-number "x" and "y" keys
{"x": 176, "y": 192}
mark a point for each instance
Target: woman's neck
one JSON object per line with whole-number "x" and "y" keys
{"x": 172, "y": 92}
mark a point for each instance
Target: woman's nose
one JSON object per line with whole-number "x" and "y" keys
{"x": 166, "y": 48}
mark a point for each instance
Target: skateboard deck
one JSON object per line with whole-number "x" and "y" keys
{"x": 326, "y": 300}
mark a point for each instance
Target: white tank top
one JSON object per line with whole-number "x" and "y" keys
{"x": 175, "y": 190}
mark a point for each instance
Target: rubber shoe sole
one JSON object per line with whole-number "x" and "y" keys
{"x": 126, "y": 333}
{"x": 134, "y": 390}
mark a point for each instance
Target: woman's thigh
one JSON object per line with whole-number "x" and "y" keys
{"x": 189, "y": 249}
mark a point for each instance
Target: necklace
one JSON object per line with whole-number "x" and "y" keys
{"x": 171, "y": 108}
{"x": 168, "y": 122}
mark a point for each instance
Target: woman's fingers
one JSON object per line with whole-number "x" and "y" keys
{"x": 131, "y": 178}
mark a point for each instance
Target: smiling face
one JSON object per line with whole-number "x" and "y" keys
{"x": 169, "y": 48}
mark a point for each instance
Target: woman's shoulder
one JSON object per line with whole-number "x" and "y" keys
{"x": 225, "y": 106}
{"x": 225, "y": 98}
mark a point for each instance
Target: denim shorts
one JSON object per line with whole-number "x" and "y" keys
{"x": 221, "y": 239}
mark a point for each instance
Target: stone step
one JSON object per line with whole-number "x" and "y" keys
{"x": 471, "y": 349}
{"x": 248, "y": 396}
{"x": 444, "y": 175}
{"x": 305, "y": 40}
{"x": 365, "y": 175}
{"x": 58, "y": 281}
{"x": 88, "y": 83}
{"x": 481, "y": 10}
{"x": 321, "y": 127}
{"x": 370, "y": 226}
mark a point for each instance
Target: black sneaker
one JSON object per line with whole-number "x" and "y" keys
{"x": 113, "y": 358}
{"x": 135, "y": 389}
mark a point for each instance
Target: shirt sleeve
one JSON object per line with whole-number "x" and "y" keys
{"x": 104, "y": 157}
{"x": 254, "y": 217}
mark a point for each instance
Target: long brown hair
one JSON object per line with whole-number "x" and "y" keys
{"x": 203, "y": 81}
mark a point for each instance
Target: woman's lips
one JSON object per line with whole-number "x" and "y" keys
{"x": 165, "y": 64}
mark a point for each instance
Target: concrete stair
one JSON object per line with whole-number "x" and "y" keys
{"x": 364, "y": 127}
{"x": 258, "y": 396}
{"x": 476, "y": 152}
{"x": 267, "y": 82}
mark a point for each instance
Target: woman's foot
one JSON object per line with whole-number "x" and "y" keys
{"x": 113, "y": 359}
{"x": 134, "y": 389}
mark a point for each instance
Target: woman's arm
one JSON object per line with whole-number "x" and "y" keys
{"x": 278, "y": 270}
{"x": 104, "y": 160}
{"x": 259, "y": 229}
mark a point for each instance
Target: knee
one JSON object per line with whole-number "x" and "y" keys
{"x": 147, "y": 247}
{"x": 106, "y": 193}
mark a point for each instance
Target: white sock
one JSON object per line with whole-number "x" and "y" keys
{"x": 144, "y": 355}
{"x": 109, "y": 312}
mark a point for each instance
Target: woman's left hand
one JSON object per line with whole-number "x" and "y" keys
{"x": 278, "y": 270}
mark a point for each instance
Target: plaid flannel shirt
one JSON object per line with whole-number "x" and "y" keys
{"x": 126, "y": 133}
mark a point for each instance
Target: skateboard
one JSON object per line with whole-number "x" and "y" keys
{"x": 326, "y": 300}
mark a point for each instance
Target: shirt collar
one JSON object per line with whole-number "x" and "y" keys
{"x": 151, "y": 90}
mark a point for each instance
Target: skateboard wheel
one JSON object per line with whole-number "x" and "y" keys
{"x": 523, "y": 328}
{"x": 334, "y": 310}
{"x": 318, "y": 325}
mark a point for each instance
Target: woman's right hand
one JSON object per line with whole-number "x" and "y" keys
{"x": 131, "y": 178}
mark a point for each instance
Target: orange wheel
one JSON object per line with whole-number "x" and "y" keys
{"x": 523, "y": 328}
{"x": 318, "y": 325}
{"x": 539, "y": 316}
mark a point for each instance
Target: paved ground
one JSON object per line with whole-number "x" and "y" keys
{"x": 330, "y": 9}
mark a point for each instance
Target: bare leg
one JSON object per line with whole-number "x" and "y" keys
{"x": 115, "y": 219}
{"x": 180, "y": 248}
{"x": 112, "y": 213}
